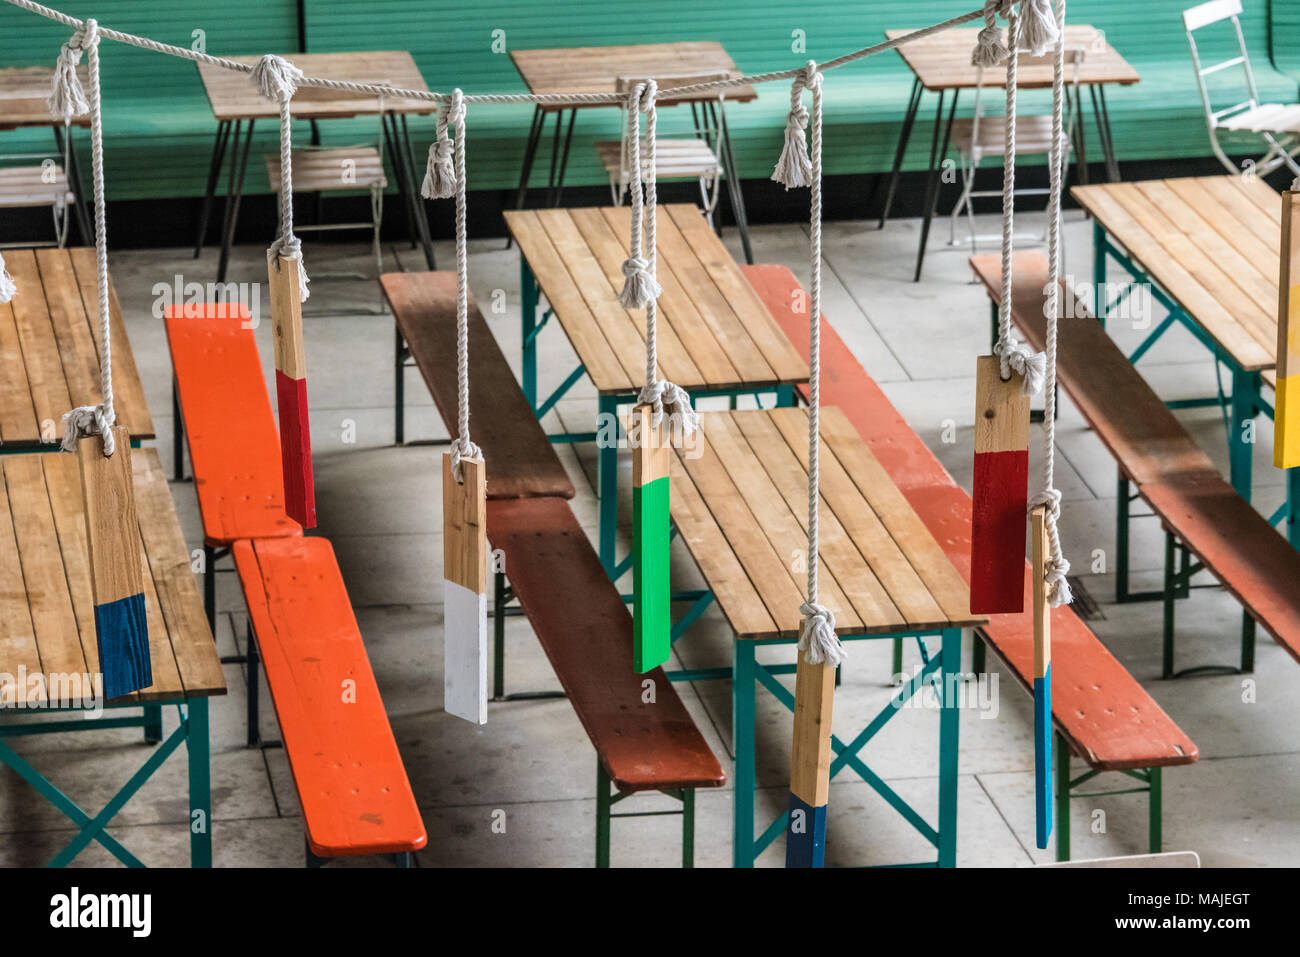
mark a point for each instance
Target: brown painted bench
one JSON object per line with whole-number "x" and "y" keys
{"x": 520, "y": 459}
{"x": 1199, "y": 509}
{"x": 585, "y": 629}
{"x": 1100, "y": 712}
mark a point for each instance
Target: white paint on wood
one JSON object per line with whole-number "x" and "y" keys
{"x": 465, "y": 652}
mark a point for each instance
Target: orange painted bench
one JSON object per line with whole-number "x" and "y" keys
{"x": 1196, "y": 505}
{"x": 585, "y": 628}
{"x": 351, "y": 782}
{"x": 1100, "y": 712}
{"x": 220, "y": 404}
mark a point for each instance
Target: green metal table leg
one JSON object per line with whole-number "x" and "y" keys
{"x": 1292, "y": 506}
{"x": 742, "y": 733}
{"x": 1121, "y": 538}
{"x": 1155, "y": 810}
{"x": 897, "y": 664}
{"x": 978, "y": 654}
{"x": 1245, "y": 405}
{"x": 200, "y": 770}
{"x": 785, "y": 396}
{"x": 603, "y": 805}
{"x": 607, "y": 479}
{"x": 1171, "y": 594}
{"x": 688, "y": 827}
{"x": 499, "y": 637}
{"x": 1062, "y": 799}
{"x": 528, "y": 290}
{"x": 949, "y": 723}
{"x": 1247, "y": 643}
{"x": 153, "y": 725}
{"x": 1099, "y": 269}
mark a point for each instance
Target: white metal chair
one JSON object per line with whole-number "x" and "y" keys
{"x": 44, "y": 185}
{"x": 689, "y": 155}
{"x": 979, "y": 136}
{"x": 1277, "y": 124}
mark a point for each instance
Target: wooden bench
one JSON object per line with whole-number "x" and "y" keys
{"x": 1199, "y": 510}
{"x": 585, "y": 629}
{"x": 351, "y": 782}
{"x": 520, "y": 459}
{"x": 1099, "y": 711}
{"x": 220, "y": 403}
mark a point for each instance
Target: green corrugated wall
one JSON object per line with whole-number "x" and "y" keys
{"x": 159, "y": 128}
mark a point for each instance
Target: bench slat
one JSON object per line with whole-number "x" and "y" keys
{"x": 355, "y": 795}
{"x": 586, "y": 631}
{"x": 520, "y": 459}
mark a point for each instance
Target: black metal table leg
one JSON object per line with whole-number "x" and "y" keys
{"x": 557, "y": 190}
{"x": 210, "y": 191}
{"x": 734, "y": 191}
{"x": 909, "y": 120}
{"x": 73, "y": 173}
{"x": 932, "y": 181}
{"x": 235, "y": 192}
{"x": 417, "y": 201}
{"x": 1104, "y": 131}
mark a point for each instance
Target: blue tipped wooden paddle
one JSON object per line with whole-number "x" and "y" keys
{"x": 651, "y": 608}
{"x": 1042, "y": 678}
{"x": 116, "y": 572}
{"x": 810, "y": 764}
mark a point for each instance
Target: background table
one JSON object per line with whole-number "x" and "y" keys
{"x": 237, "y": 106}
{"x": 49, "y": 337}
{"x": 715, "y": 335}
{"x": 1210, "y": 246}
{"x": 739, "y": 501}
{"x": 47, "y": 620}
{"x": 597, "y": 70}
{"x": 941, "y": 64}
{"x": 23, "y": 94}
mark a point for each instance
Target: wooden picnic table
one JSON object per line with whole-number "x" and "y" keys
{"x": 940, "y": 64}
{"x": 1210, "y": 245}
{"x": 739, "y": 501}
{"x": 238, "y": 106}
{"x": 47, "y": 628}
{"x": 715, "y": 335}
{"x": 49, "y": 336}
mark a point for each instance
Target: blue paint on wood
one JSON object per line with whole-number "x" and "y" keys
{"x": 1043, "y": 756}
{"x": 805, "y": 834}
{"x": 122, "y": 634}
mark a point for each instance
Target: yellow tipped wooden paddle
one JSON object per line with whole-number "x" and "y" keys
{"x": 1286, "y": 436}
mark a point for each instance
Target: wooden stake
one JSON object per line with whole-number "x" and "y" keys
{"x": 810, "y": 764}
{"x": 651, "y": 609}
{"x": 116, "y": 579}
{"x": 1286, "y": 433}
{"x": 1042, "y": 677}
{"x": 291, "y": 392}
{"x": 1000, "y": 492}
{"x": 464, "y": 588}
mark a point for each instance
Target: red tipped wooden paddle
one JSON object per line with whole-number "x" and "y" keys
{"x": 1000, "y": 494}
{"x": 291, "y": 392}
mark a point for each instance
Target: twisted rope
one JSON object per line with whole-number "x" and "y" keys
{"x": 277, "y": 79}
{"x": 1057, "y": 566}
{"x": 440, "y": 174}
{"x": 89, "y": 419}
{"x": 462, "y": 447}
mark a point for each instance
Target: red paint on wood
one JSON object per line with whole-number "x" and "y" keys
{"x": 997, "y": 548}
{"x": 295, "y": 449}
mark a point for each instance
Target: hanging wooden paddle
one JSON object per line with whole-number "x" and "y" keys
{"x": 291, "y": 391}
{"x": 1000, "y": 493}
{"x": 464, "y": 590}
{"x": 810, "y": 764}
{"x": 1286, "y": 437}
{"x": 651, "y": 624}
{"x": 116, "y": 572}
{"x": 1042, "y": 677}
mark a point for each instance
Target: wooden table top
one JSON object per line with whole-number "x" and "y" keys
{"x": 714, "y": 330}
{"x": 740, "y": 503}
{"x": 597, "y": 69}
{"x": 1212, "y": 243}
{"x": 941, "y": 61}
{"x": 47, "y": 612}
{"x": 49, "y": 336}
{"x": 233, "y": 96}
{"x": 23, "y": 94}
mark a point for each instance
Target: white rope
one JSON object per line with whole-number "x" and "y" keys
{"x": 990, "y": 50}
{"x": 1013, "y": 353}
{"x": 7, "y": 288}
{"x": 794, "y": 167}
{"x": 277, "y": 79}
{"x": 89, "y": 419}
{"x": 440, "y": 174}
{"x": 67, "y": 98}
{"x": 1057, "y": 566}
{"x": 640, "y": 288}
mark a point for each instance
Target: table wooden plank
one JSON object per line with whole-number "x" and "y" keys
{"x": 1228, "y": 201}
{"x": 942, "y": 60}
{"x": 18, "y": 648}
{"x": 63, "y": 482}
{"x": 24, "y": 91}
{"x": 36, "y": 339}
{"x": 597, "y": 69}
{"x": 1246, "y": 230}
{"x": 77, "y": 346}
{"x": 18, "y": 423}
{"x": 1260, "y": 194}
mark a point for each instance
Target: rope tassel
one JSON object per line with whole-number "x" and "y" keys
{"x": 440, "y": 174}
{"x": 8, "y": 289}
{"x": 275, "y": 77}
{"x": 818, "y": 640}
{"x": 794, "y": 169}
{"x": 1039, "y": 32}
{"x": 67, "y": 97}
{"x": 639, "y": 287}
{"x": 990, "y": 49}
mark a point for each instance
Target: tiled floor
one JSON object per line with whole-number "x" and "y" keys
{"x": 380, "y": 506}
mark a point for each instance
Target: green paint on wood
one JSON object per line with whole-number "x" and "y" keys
{"x": 651, "y": 610}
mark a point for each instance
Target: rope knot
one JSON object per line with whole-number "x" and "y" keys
{"x": 440, "y": 174}
{"x": 1018, "y": 356}
{"x": 639, "y": 287}
{"x": 817, "y": 639}
{"x": 1056, "y": 567}
{"x": 667, "y": 398}
{"x": 276, "y": 78}
{"x": 1050, "y": 499}
{"x": 794, "y": 168}
{"x": 462, "y": 448}
{"x": 645, "y": 95}
{"x": 990, "y": 48}
{"x": 289, "y": 247}
{"x": 1039, "y": 31}
{"x": 67, "y": 96}
{"x": 87, "y": 420}
{"x": 7, "y": 287}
